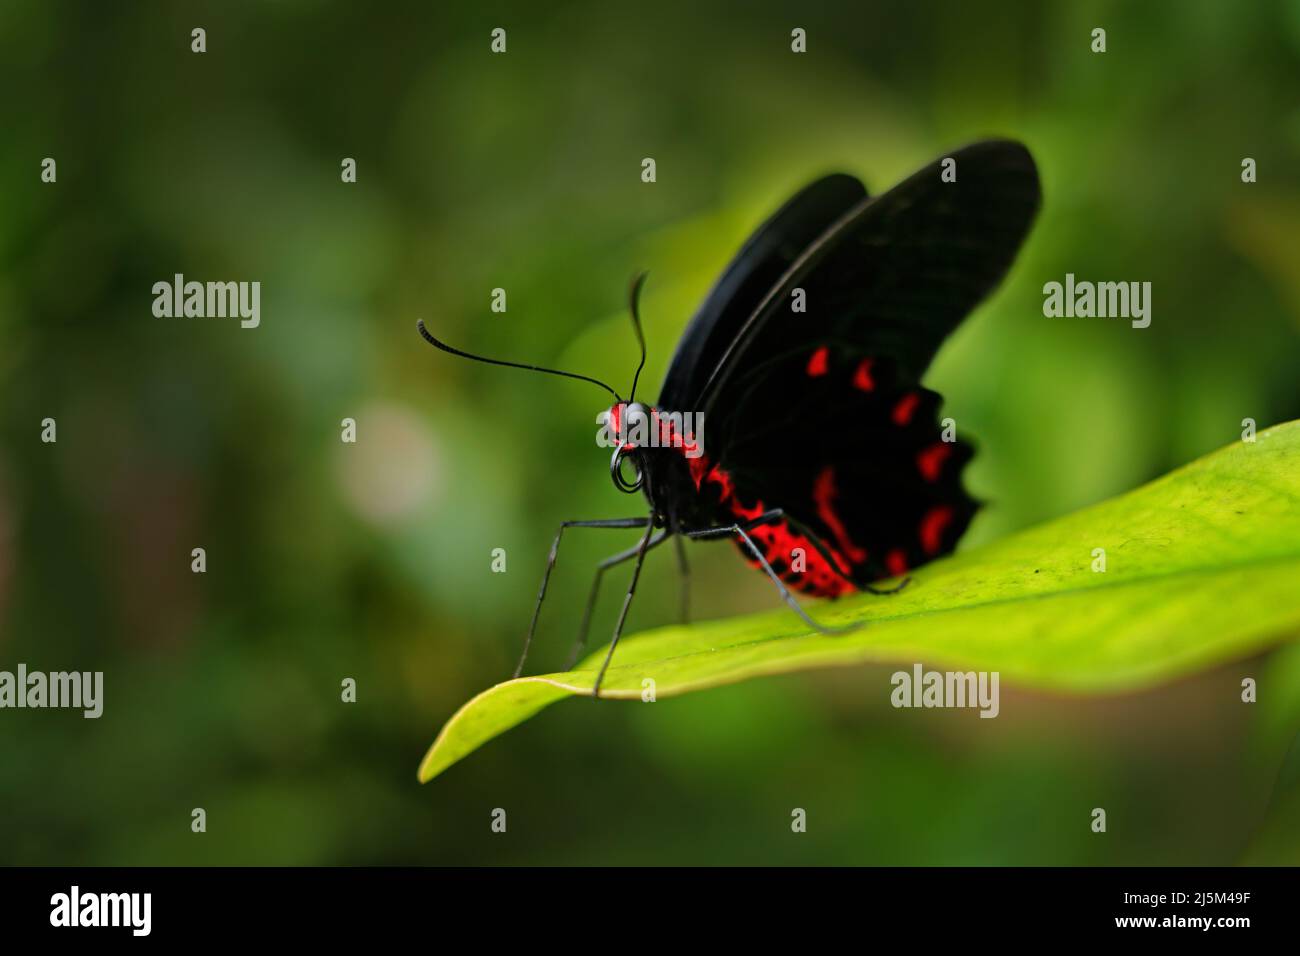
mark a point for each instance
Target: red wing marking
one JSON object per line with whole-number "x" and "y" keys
{"x": 905, "y": 407}
{"x": 896, "y": 562}
{"x": 930, "y": 460}
{"x": 721, "y": 478}
{"x": 932, "y": 528}
{"x": 779, "y": 544}
{"x": 670, "y": 437}
{"x": 862, "y": 377}
{"x": 824, "y": 494}
{"x": 749, "y": 514}
{"x": 818, "y": 363}
{"x": 699, "y": 468}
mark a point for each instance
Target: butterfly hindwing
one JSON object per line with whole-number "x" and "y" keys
{"x": 856, "y": 452}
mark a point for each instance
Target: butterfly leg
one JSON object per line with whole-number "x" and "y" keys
{"x": 683, "y": 568}
{"x": 550, "y": 565}
{"x": 627, "y": 602}
{"x": 581, "y": 644}
{"x": 686, "y": 578}
{"x": 739, "y": 531}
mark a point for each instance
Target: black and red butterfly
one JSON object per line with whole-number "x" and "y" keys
{"x": 822, "y": 455}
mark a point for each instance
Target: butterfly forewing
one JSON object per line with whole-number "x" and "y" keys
{"x": 899, "y": 272}
{"x": 756, "y": 268}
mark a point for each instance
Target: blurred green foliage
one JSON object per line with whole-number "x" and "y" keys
{"x": 371, "y": 560}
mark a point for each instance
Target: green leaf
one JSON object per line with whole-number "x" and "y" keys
{"x": 1202, "y": 566}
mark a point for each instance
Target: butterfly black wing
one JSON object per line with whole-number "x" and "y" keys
{"x": 898, "y": 272}
{"x": 822, "y": 414}
{"x": 757, "y": 267}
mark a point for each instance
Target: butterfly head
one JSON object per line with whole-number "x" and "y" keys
{"x": 627, "y": 425}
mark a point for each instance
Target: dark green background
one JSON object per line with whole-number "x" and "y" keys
{"x": 371, "y": 560}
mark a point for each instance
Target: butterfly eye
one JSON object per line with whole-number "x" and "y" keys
{"x": 616, "y": 471}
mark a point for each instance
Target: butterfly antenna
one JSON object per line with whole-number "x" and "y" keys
{"x": 634, "y": 297}
{"x": 419, "y": 323}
